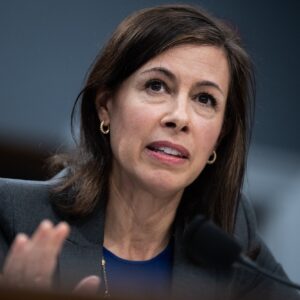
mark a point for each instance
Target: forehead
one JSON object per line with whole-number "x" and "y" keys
{"x": 193, "y": 62}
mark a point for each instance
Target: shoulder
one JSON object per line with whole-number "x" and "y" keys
{"x": 24, "y": 203}
{"x": 245, "y": 230}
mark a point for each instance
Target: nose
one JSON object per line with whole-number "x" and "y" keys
{"x": 177, "y": 117}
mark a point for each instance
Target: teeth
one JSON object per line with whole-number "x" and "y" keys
{"x": 169, "y": 151}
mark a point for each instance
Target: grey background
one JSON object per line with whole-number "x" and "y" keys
{"x": 47, "y": 46}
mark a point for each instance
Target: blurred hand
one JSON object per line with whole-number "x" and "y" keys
{"x": 88, "y": 286}
{"x": 31, "y": 262}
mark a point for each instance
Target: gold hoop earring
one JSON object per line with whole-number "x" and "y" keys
{"x": 213, "y": 159}
{"x": 104, "y": 128}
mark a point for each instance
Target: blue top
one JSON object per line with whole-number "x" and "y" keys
{"x": 150, "y": 278}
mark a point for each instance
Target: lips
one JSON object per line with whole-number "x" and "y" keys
{"x": 169, "y": 148}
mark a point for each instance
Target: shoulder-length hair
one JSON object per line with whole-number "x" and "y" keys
{"x": 140, "y": 37}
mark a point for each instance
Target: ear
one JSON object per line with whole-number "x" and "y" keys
{"x": 103, "y": 107}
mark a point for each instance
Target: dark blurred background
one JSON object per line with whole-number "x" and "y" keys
{"x": 46, "y": 47}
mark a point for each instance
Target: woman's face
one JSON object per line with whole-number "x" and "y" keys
{"x": 165, "y": 119}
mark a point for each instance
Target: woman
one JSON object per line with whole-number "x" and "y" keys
{"x": 165, "y": 116}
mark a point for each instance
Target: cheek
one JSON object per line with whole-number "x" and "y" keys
{"x": 131, "y": 126}
{"x": 205, "y": 142}
{"x": 206, "y": 139}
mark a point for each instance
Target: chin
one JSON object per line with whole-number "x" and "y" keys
{"x": 166, "y": 185}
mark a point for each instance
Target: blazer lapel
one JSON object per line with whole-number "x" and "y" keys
{"x": 82, "y": 252}
{"x": 76, "y": 262}
{"x": 191, "y": 281}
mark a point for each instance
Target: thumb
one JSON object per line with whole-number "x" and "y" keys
{"x": 88, "y": 285}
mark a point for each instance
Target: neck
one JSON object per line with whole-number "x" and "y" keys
{"x": 138, "y": 223}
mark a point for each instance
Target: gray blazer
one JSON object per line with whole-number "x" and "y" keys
{"x": 24, "y": 204}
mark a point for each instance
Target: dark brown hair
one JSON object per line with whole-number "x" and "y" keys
{"x": 136, "y": 40}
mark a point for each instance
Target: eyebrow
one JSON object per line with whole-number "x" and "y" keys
{"x": 164, "y": 71}
{"x": 171, "y": 76}
{"x": 209, "y": 84}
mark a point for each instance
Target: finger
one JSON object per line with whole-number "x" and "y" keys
{"x": 52, "y": 244}
{"x": 36, "y": 256}
{"x": 16, "y": 260}
{"x": 42, "y": 232}
{"x": 88, "y": 285}
{"x": 50, "y": 252}
{"x": 50, "y": 238}
{"x": 15, "y": 264}
{"x": 44, "y": 248}
{"x": 62, "y": 230}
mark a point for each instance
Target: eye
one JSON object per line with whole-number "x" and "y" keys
{"x": 206, "y": 99}
{"x": 156, "y": 85}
